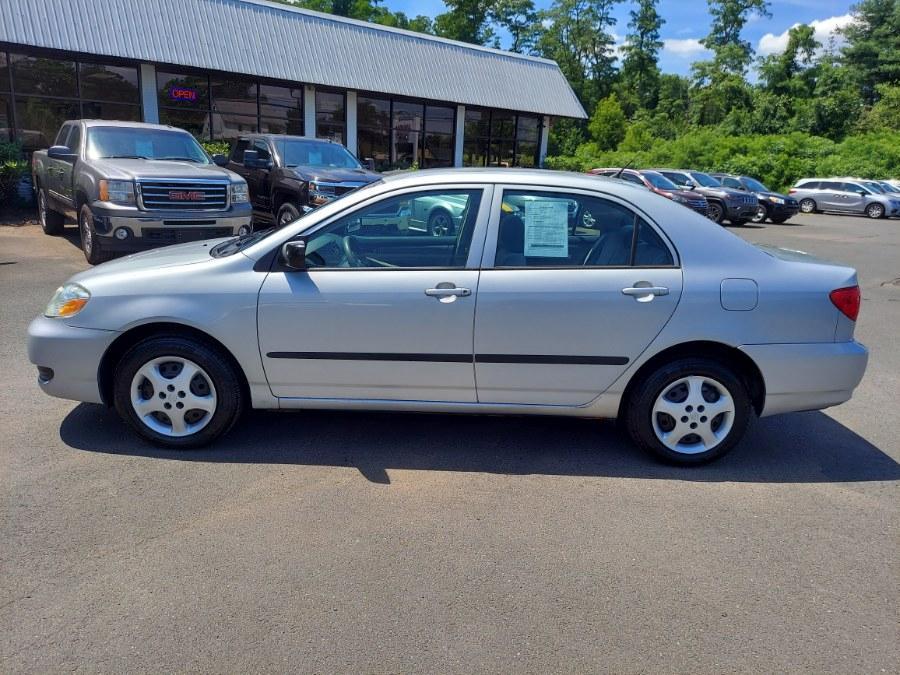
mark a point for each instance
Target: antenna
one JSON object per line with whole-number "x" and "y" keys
{"x": 627, "y": 166}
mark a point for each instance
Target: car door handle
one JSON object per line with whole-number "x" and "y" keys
{"x": 451, "y": 291}
{"x": 648, "y": 292}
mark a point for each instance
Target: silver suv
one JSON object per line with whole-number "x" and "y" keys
{"x": 843, "y": 196}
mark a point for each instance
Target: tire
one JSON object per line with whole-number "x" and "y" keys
{"x": 715, "y": 212}
{"x": 762, "y": 214}
{"x": 875, "y": 211}
{"x": 780, "y": 220}
{"x": 697, "y": 379}
{"x": 440, "y": 223}
{"x": 222, "y": 397}
{"x": 91, "y": 244}
{"x": 739, "y": 222}
{"x": 808, "y": 206}
{"x": 287, "y": 213}
{"x": 52, "y": 222}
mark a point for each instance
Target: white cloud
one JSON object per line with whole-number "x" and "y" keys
{"x": 824, "y": 30}
{"x": 684, "y": 47}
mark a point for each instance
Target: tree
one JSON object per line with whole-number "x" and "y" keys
{"x": 639, "y": 67}
{"x": 520, "y": 20}
{"x": 731, "y": 54}
{"x": 792, "y": 72}
{"x": 607, "y": 125}
{"x": 466, "y": 20}
{"x": 872, "y": 51}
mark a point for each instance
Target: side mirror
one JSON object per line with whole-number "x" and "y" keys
{"x": 220, "y": 160}
{"x": 369, "y": 163}
{"x": 250, "y": 158}
{"x": 61, "y": 152}
{"x": 294, "y": 254}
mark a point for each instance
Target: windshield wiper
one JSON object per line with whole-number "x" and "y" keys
{"x": 180, "y": 159}
{"x": 124, "y": 157}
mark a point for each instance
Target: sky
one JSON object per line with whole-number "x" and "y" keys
{"x": 688, "y": 20}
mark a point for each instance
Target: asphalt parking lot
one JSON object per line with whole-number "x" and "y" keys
{"x": 374, "y": 542}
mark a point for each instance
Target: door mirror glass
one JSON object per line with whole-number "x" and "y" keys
{"x": 220, "y": 160}
{"x": 251, "y": 158}
{"x": 294, "y": 254}
{"x": 61, "y": 152}
{"x": 369, "y": 163}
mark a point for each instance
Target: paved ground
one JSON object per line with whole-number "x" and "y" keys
{"x": 363, "y": 542}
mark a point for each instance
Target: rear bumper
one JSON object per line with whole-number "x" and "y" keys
{"x": 808, "y": 376}
{"x": 69, "y": 358}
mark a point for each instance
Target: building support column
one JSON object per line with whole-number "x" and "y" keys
{"x": 350, "y": 114}
{"x": 545, "y": 134}
{"x": 458, "y": 137}
{"x": 309, "y": 111}
{"x": 149, "y": 101}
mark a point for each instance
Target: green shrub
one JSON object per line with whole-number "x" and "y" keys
{"x": 216, "y": 147}
{"x": 13, "y": 168}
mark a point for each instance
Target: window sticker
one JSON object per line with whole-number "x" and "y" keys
{"x": 546, "y": 228}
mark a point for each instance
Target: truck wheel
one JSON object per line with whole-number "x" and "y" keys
{"x": 287, "y": 214}
{"x": 716, "y": 212}
{"x": 52, "y": 222}
{"x": 91, "y": 244}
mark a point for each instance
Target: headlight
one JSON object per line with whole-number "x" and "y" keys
{"x": 117, "y": 191}
{"x": 239, "y": 193}
{"x": 67, "y": 301}
{"x": 679, "y": 199}
{"x": 776, "y": 200}
{"x": 320, "y": 194}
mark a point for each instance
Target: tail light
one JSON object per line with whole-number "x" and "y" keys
{"x": 791, "y": 191}
{"x": 847, "y": 300}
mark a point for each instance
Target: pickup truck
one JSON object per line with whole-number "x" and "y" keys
{"x": 133, "y": 186}
{"x": 289, "y": 175}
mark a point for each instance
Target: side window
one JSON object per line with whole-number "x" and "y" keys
{"x": 832, "y": 185}
{"x": 263, "y": 149}
{"x": 732, "y": 183}
{"x": 63, "y": 134}
{"x": 74, "y": 142}
{"x": 237, "y": 154}
{"x": 631, "y": 178}
{"x": 553, "y": 229}
{"x": 419, "y": 229}
{"x": 810, "y": 185}
{"x": 856, "y": 189}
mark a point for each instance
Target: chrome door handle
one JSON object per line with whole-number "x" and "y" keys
{"x": 448, "y": 292}
{"x": 645, "y": 291}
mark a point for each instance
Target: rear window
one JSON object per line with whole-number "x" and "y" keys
{"x": 809, "y": 185}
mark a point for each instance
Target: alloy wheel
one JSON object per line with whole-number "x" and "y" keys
{"x": 693, "y": 414}
{"x": 173, "y": 396}
{"x": 441, "y": 224}
{"x": 807, "y": 205}
{"x": 761, "y": 214}
{"x": 42, "y": 208}
{"x": 875, "y": 211}
{"x": 87, "y": 234}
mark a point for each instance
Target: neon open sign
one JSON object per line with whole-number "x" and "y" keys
{"x": 183, "y": 94}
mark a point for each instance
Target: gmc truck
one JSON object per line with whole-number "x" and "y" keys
{"x": 289, "y": 175}
{"x": 133, "y": 186}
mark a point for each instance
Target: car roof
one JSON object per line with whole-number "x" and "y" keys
{"x": 291, "y": 137}
{"x": 127, "y": 125}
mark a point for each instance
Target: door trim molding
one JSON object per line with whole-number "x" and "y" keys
{"x": 533, "y": 359}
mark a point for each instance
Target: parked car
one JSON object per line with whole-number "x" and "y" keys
{"x": 133, "y": 186}
{"x": 288, "y": 174}
{"x": 724, "y": 203}
{"x": 656, "y": 182}
{"x": 843, "y": 196}
{"x": 772, "y": 205}
{"x": 888, "y": 187}
{"x": 646, "y": 311}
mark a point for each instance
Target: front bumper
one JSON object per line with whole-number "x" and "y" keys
{"x": 740, "y": 211}
{"x": 149, "y": 229}
{"x": 70, "y": 356}
{"x": 808, "y": 376}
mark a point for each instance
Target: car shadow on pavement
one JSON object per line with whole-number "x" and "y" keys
{"x": 801, "y": 447}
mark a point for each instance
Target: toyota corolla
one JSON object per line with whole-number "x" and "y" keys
{"x": 554, "y": 294}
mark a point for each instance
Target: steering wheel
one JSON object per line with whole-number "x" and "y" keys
{"x": 349, "y": 252}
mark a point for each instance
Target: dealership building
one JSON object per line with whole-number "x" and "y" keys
{"x": 220, "y": 68}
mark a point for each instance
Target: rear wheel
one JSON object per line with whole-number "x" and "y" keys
{"x": 177, "y": 392}
{"x": 91, "y": 244}
{"x": 875, "y": 211}
{"x": 716, "y": 212}
{"x": 690, "y": 411}
{"x": 440, "y": 223}
{"x": 762, "y": 214}
{"x": 807, "y": 205}
{"x": 287, "y": 214}
{"x": 52, "y": 222}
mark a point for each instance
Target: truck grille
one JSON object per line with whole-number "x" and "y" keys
{"x": 750, "y": 200}
{"x": 180, "y": 235}
{"x": 172, "y": 195}
{"x": 698, "y": 205}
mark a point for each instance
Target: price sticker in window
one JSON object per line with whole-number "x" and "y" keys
{"x": 546, "y": 228}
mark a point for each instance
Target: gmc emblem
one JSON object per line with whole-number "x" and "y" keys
{"x": 185, "y": 196}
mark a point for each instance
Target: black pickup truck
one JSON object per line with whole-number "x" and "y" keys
{"x": 289, "y": 174}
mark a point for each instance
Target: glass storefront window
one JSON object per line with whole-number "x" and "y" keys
{"x": 501, "y": 138}
{"x": 373, "y": 139}
{"x": 438, "y": 150}
{"x": 102, "y": 110}
{"x": 280, "y": 110}
{"x": 182, "y": 90}
{"x": 330, "y": 116}
{"x": 4, "y": 72}
{"x": 118, "y": 84}
{"x": 406, "y": 133}
{"x": 43, "y": 76}
{"x": 5, "y": 117}
{"x": 528, "y": 137}
{"x": 39, "y": 119}
{"x": 195, "y": 121}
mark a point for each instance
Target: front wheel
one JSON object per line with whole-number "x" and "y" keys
{"x": 690, "y": 411}
{"x": 52, "y": 222}
{"x": 177, "y": 392}
{"x": 440, "y": 223}
{"x": 807, "y": 206}
{"x": 287, "y": 214}
{"x": 875, "y": 211}
{"x": 91, "y": 244}
{"x": 716, "y": 212}
{"x": 780, "y": 220}
{"x": 762, "y": 214}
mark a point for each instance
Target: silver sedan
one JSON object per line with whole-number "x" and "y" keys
{"x": 554, "y": 294}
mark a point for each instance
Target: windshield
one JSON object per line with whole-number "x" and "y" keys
{"x": 317, "y": 154}
{"x": 754, "y": 185}
{"x": 875, "y": 187}
{"x": 138, "y": 143}
{"x": 657, "y": 180}
{"x": 887, "y": 187}
{"x": 705, "y": 180}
